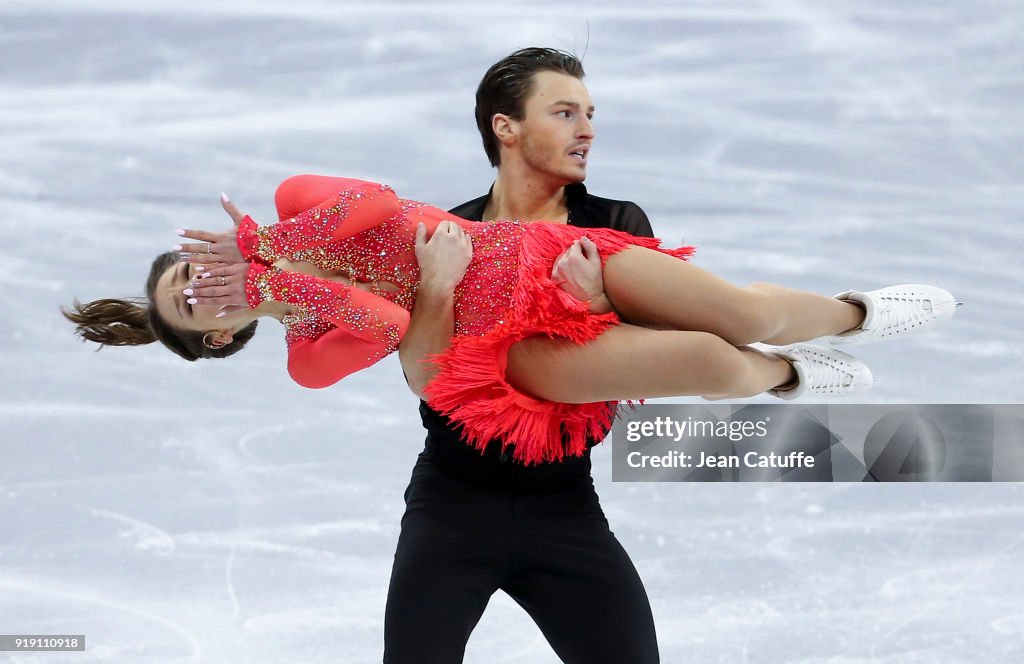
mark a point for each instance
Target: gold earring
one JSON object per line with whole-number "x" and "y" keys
{"x": 208, "y": 344}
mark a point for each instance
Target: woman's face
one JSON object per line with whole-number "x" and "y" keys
{"x": 172, "y": 306}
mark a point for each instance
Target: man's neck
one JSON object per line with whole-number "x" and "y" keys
{"x": 527, "y": 198}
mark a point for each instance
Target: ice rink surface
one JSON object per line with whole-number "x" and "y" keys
{"x": 218, "y": 513}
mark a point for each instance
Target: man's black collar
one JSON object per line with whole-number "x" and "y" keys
{"x": 575, "y": 196}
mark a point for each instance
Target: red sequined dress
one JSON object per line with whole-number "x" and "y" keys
{"x": 365, "y": 233}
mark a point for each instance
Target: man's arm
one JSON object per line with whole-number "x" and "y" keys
{"x": 443, "y": 261}
{"x": 430, "y": 331}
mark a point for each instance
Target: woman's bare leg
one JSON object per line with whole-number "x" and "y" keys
{"x": 630, "y": 362}
{"x": 653, "y": 289}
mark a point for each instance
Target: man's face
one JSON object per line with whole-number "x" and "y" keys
{"x": 556, "y": 130}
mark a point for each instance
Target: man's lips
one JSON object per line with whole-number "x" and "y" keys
{"x": 580, "y": 152}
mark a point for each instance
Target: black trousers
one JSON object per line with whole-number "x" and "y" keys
{"x": 551, "y": 551}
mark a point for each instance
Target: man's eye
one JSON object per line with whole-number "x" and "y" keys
{"x": 566, "y": 114}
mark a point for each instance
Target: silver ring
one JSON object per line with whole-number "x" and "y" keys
{"x": 223, "y": 282}
{"x": 207, "y": 247}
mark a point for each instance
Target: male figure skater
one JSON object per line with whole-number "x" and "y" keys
{"x": 478, "y": 523}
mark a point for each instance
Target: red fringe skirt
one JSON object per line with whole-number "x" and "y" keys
{"x": 470, "y": 386}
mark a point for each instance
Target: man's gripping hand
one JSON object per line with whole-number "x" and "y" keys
{"x": 578, "y": 272}
{"x": 444, "y": 257}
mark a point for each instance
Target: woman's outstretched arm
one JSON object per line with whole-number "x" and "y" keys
{"x": 337, "y": 329}
{"x": 334, "y": 330}
{"x": 352, "y": 207}
{"x": 324, "y": 360}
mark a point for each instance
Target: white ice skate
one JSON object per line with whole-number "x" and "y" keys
{"x": 896, "y": 310}
{"x": 823, "y": 371}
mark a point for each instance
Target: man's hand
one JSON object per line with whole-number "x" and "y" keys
{"x": 443, "y": 258}
{"x": 578, "y": 272}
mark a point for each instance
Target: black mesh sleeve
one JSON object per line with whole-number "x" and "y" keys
{"x": 634, "y": 220}
{"x": 629, "y": 217}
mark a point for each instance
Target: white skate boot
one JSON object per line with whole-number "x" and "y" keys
{"x": 896, "y": 310}
{"x": 824, "y": 372}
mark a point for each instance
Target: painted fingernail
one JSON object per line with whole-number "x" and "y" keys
{"x": 192, "y": 300}
{"x": 204, "y": 275}
{"x": 176, "y": 247}
{"x": 188, "y": 291}
{"x": 221, "y": 314}
{"x": 180, "y": 231}
{"x": 224, "y": 198}
{"x": 200, "y": 267}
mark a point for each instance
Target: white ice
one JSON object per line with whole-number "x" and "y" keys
{"x": 218, "y": 513}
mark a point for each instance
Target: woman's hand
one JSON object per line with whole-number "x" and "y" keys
{"x": 578, "y": 272}
{"x": 443, "y": 258}
{"x": 221, "y": 286}
{"x": 214, "y": 249}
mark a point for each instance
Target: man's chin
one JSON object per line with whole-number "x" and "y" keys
{"x": 575, "y": 175}
{"x": 566, "y": 176}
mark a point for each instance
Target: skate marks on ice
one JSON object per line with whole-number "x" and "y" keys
{"x": 835, "y": 573}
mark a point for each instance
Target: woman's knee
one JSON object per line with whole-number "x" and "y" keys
{"x": 754, "y": 318}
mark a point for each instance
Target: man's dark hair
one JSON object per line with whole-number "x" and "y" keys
{"x": 507, "y": 84}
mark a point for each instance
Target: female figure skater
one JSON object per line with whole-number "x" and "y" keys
{"x": 530, "y": 363}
